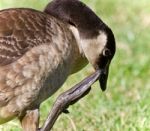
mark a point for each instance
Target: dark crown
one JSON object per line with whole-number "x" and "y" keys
{"x": 82, "y": 17}
{"x": 77, "y": 14}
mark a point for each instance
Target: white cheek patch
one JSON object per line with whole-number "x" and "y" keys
{"x": 102, "y": 39}
{"x": 94, "y": 47}
{"x": 91, "y": 48}
{"x": 77, "y": 37}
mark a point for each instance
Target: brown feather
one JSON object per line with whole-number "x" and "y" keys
{"x": 36, "y": 51}
{"x": 20, "y": 30}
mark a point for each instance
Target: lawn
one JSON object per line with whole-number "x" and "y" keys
{"x": 125, "y": 106}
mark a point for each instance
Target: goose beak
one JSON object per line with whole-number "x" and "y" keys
{"x": 103, "y": 78}
{"x": 104, "y": 71}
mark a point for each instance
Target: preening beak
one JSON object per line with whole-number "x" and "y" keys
{"x": 103, "y": 78}
{"x": 104, "y": 71}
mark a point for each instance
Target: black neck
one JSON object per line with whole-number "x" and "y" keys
{"x": 78, "y": 14}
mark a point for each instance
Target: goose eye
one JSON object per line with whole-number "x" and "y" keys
{"x": 106, "y": 52}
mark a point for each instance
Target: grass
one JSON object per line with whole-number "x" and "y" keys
{"x": 125, "y": 105}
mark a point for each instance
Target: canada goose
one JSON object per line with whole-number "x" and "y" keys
{"x": 39, "y": 50}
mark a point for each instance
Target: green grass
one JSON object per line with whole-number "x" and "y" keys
{"x": 125, "y": 106}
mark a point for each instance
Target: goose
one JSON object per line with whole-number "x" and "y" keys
{"x": 39, "y": 50}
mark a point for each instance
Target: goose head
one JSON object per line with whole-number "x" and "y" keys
{"x": 95, "y": 39}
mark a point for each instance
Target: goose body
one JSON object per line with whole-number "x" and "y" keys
{"x": 39, "y": 50}
{"x": 37, "y": 53}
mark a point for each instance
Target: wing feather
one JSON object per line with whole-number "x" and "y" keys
{"x": 20, "y": 30}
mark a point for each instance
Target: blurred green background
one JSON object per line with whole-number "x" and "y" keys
{"x": 125, "y": 106}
